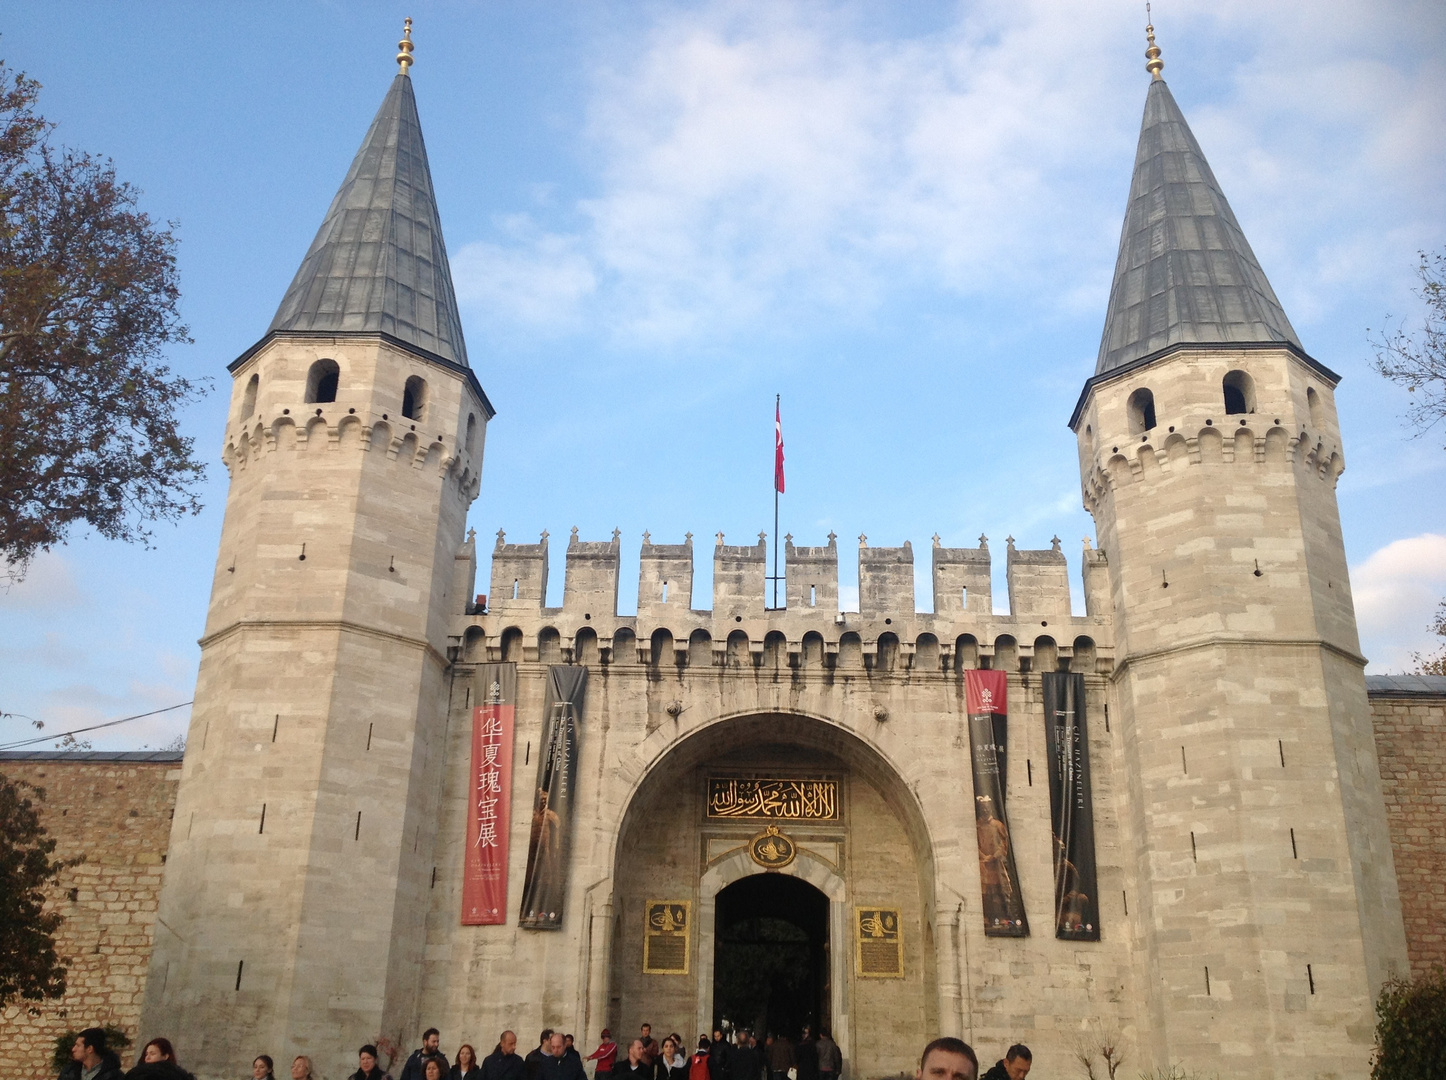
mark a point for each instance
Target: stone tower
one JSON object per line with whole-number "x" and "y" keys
{"x": 292, "y": 914}
{"x": 1262, "y": 892}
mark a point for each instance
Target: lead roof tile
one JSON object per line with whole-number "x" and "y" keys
{"x": 378, "y": 263}
{"x": 1185, "y": 272}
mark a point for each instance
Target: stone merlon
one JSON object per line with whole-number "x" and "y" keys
{"x": 1039, "y": 599}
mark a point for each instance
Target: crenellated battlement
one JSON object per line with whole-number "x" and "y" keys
{"x": 886, "y": 634}
{"x": 348, "y": 432}
{"x": 1158, "y": 452}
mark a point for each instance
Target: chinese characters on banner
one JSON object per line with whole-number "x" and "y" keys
{"x": 484, "y": 870}
{"x": 987, "y": 705}
{"x": 550, "y": 841}
{"x": 1076, "y": 905}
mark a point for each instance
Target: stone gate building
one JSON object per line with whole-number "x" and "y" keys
{"x": 398, "y": 808}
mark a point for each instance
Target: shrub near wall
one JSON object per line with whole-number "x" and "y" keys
{"x": 1411, "y": 1029}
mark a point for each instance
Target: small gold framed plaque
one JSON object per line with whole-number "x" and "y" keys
{"x": 665, "y": 937}
{"x": 880, "y": 943}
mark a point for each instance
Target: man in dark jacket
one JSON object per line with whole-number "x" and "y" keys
{"x": 830, "y": 1058}
{"x": 558, "y": 1064}
{"x": 636, "y": 1066}
{"x": 780, "y": 1057}
{"x": 416, "y": 1066}
{"x": 91, "y": 1058}
{"x": 806, "y": 1055}
{"x": 718, "y": 1057}
{"x": 1015, "y": 1066}
{"x": 532, "y": 1066}
{"x": 503, "y": 1063}
{"x": 745, "y": 1062}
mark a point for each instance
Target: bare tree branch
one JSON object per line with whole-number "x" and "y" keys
{"x": 1417, "y": 359}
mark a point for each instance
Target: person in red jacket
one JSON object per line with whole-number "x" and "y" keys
{"x": 698, "y": 1066}
{"x": 605, "y": 1055}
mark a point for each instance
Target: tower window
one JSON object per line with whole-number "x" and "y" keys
{"x": 1312, "y": 400}
{"x": 414, "y": 398}
{"x": 471, "y": 443}
{"x": 248, "y": 397}
{"x": 321, "y": 382}
{"x": 1239, "y": 393}
{"x": 1142, "y": 411}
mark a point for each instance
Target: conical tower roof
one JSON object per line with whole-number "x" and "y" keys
{"x": 1185, "y": 273}
{"x": 378, "y": 263}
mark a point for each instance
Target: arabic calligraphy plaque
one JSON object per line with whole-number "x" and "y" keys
{"x": 665, "y": 941}
{"x": 746, "y": 798}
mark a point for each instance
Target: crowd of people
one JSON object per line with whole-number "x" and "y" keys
{"x": 738, "y": 1056}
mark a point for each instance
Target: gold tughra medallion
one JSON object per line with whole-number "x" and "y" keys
{"x": 771, "y": 849}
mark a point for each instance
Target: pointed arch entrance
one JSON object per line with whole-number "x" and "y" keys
{"x": 678, "y": 859}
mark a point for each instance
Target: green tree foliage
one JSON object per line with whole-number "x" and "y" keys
{"x": 1416, "y": 359}
{"x": 1411, "y": 1029}
{"x": 88, "y": 295}
{"x": 29, "y": 968}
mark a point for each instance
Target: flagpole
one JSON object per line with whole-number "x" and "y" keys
{"x": 777, "y": 405}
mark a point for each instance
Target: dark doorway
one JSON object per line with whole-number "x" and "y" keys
{"x": 770, "y": 956}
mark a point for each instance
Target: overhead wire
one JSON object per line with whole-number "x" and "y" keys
{"x": 94, "y": 727}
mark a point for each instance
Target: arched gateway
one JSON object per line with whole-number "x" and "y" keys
{"x": 1196, "y": 853}
{"x": 774, "y": 870}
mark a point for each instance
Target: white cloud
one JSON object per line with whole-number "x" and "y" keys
{"x": 1396, "y": 592}
{"x": 758, "y": 158}
{"x": 536, "y": 278}
{"x": 762, "y": 164}
{"x": 49, "y": 585}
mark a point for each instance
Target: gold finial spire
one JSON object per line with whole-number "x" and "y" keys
{"x": 404, "y": 57}
{"x": 1153, "y": 64}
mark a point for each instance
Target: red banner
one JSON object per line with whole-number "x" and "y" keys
{"x": 484, "y": 874}
{"x": 986, "y": 692}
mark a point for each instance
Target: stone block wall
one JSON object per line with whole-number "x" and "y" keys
{"x": 1411, "y": 745}
{"x": 114, "y": 809}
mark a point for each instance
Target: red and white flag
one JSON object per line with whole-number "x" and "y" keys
{"x": 777, "y": 448}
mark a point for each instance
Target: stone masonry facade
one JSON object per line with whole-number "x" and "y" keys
{"x": 1248, "y": 905}
{"x": 115, "y": 810}
{"x": 1411, "y": 744}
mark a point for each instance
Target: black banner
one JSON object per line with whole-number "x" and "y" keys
{"x": 986, "y": 702}
{"x": 545, "y": 886}
{"x": 1076, "y": 899}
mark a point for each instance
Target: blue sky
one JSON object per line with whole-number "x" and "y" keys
{"x": 903, "y": 218}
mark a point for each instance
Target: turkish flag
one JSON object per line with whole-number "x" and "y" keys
{"x": 777, "y": 449}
